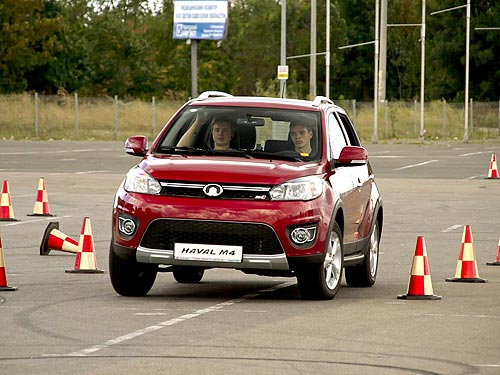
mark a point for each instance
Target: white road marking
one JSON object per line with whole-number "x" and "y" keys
{"x": 35, "y": 220}
{"x": 386, "y": 156}
{"x": 415, "y": 165}
{"x": 453, "y": 227}
{"x": 56, "y": 151}
{"x": 89, "y": 172}
{"x": 221, "y": 310}
{"x": 472, "y": 153}
{"x": 482, "y": 316}
{"x": 170, "y": 322}
{"x": 473, "y": 177}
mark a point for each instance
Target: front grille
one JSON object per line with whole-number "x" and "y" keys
{"x": 195, "y": 190}
{"x": 255, "y": 238}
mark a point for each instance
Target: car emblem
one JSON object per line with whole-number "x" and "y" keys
{"x": 213, "y": 190}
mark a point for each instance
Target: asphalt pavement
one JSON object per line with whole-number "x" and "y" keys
{"x": 60, "y": 323}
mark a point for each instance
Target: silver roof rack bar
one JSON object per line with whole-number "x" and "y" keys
{"x": 322, "y": 100}
{"x": 213, "y": 94}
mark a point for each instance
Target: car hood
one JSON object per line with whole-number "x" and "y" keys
{"x": 227, "y": 169}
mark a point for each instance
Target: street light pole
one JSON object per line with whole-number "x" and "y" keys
{"x": 467, "y": 44}
{"x": 327, "y": 57}
{"x": 283, "y": 46}
{"x": 422, "y": 73}
{"x": 312, "y": 70}
{"x": 375, "y": 85}
{"x": 383, "y": 51}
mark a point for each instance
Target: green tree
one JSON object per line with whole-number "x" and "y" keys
{"x": 30, "y": 37}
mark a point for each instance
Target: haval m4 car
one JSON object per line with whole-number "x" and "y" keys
{"x": 267, "y": 186}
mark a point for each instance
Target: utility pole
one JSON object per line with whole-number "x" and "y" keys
{"x": 312, "y": 58}
{"x": 422, "y": 73}
{"x": 467, "y": 43}
{"x": 283, "y": 46}
{"x": 383, "y": 51}
{"x": 376, "y": 72}
{"x": 327, "y": 57}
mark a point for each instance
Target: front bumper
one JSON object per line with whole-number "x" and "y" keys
{"x": 261, "y": 227}
{"x": 250, "y": 261}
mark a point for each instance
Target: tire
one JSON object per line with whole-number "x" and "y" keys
{"x": 365, "y": 274}
{"x": 322, "y": 281}
{"x": 188, "y": 275}
{"x": 130, "y": 278}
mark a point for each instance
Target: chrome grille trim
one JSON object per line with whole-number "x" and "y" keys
{"x": 181, "y": 185}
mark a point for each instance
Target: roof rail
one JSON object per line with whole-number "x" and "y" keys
{"x": 322, "y": 100}
{"x": 213, "y": 94}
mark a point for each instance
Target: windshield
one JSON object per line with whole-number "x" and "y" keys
{"x": 245, "y": 131}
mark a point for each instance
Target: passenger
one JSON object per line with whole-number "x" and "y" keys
{"x": 222, "y": 133}
{"x": 301, "y": 135}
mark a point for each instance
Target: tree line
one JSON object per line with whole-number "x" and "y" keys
{"x": 126, "y": 48}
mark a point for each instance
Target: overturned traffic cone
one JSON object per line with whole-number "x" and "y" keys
{"x": 466, "y": 266}
{"x": 3, "y": 275}
{"x": 493, "y": 171}
{"x": 6, "y": 210}
{"x": 497, "y": 260}
{"x": 420, "y": 284}
{"x": 42, "y": 202}
{"x": 85, "y": 261}
{"x": 53, "y": 239}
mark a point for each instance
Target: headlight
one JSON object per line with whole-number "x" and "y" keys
{"x": 301, "y": 189}
{"x": 138, "y": 181}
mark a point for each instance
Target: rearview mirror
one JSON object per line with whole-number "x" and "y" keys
{"x": 136, "y": 145}
{"x": 250, "y": 121}
{"x": 352, "y": 155}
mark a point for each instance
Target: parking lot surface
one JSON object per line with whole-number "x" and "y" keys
{"x": 59, "y": 323}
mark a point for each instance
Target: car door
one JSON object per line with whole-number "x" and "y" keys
{"x": 363, "y": 179}
{"x": 349, "y": 181}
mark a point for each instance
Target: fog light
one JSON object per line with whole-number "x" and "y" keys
{"x": 303, "y": 235}
{"x": 126, "y": 226}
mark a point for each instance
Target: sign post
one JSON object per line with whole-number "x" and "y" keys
{"x": 282, "y": 76}
{"x": 199, "y": 20}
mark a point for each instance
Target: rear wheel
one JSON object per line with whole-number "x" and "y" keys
{"x": 364, "y": 275}
{"x": 130, "y": 278}
{"x": 188, "y": 275}
{"x": 322, "y": 281}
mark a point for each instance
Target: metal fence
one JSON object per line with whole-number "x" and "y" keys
{"x": 88, "y": 118}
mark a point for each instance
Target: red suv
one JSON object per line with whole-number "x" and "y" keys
{"x": 267, "y": 186}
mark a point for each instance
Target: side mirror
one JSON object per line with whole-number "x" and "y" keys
{"x": 136, "y": 145}
{"x": 352, "y": 155}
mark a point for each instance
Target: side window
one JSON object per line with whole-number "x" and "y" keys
{"x": 349, "y": 128}
{"x": 337, "y": 138}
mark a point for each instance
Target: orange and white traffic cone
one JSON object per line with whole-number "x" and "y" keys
{"x": 420, "y": 284}
{"x": 6, "y": 210}
{"x": 493, "y": 171}
{"x": 497, "y": 260}
{"x": 53, "y": 239}
{"x": 466, "y": 266}
{"x": 42, "y": 202}
{"x": 85, "y": 261}
{"x": 3, "y": 276}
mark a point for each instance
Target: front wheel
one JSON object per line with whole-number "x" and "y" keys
{"x": 130, "y": 278}
{"x": 322, "y": 281}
